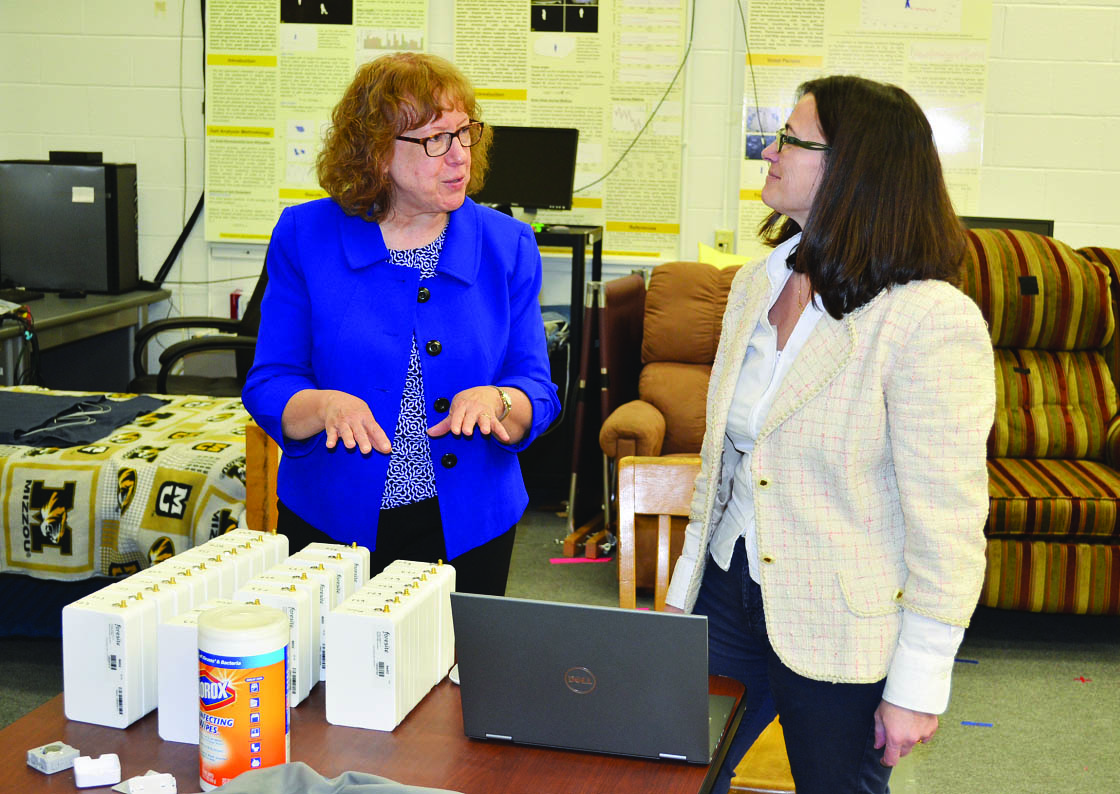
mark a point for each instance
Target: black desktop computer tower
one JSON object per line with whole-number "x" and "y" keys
{"x": 68, "y": 226}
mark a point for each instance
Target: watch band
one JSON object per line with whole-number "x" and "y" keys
{"x": 507, "y": 403}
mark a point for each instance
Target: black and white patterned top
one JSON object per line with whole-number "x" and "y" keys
{"x": 411, "y": 476}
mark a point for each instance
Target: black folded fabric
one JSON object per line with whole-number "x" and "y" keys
{"x": 34, "y": 419}
{"x": 21, "y": 411}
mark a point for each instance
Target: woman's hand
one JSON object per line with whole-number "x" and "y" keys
{"x": 899, "y": 729}
{"x": 478, "y": 406}
{"x": 342, "y": 415}
{"x": 349, "y": 418}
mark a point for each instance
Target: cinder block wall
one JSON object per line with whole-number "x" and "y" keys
{"x": 103, "y": 75}
{"x": 108, "y": 75}
{"x": 1052, "y": 129}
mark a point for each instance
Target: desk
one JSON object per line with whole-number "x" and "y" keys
{"x": 84, "y": 343}
{"x": 427, "y": 749}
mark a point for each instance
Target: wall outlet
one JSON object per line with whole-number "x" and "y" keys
{"x": 725, "y": 240}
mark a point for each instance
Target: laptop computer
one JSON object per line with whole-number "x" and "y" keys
{"x": 601, "y": 679}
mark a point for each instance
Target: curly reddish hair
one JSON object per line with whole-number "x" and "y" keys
{"x": 388, "y": 97}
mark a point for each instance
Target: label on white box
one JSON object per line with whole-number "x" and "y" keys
{"x": 383, "y": 658}
{"x": 114, "y": 653}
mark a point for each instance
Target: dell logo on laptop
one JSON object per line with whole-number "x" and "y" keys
{"x": 580, "y": 680}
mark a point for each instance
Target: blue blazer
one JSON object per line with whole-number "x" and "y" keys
{"x": 338, "y": 315}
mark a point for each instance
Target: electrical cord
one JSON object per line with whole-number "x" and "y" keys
{"x": 750, "y": 65}
{"x": 28, "y": 350}
{"x": 213, "y": 281}
{"x": 82, "y": 414}
{"x": 660, "y": 102}
{"x": 563, "y": 391}
{"x": 173, "y": 254}
{"x": 676, "y": 75}
{"x": 664, "y": 96}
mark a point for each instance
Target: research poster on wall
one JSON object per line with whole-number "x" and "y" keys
{"x": 275, "y": 69}
{"x": 604, "y": 67}
{"x": 935, "y": 49}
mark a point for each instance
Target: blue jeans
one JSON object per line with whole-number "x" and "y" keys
{"x": 829, "y": 728}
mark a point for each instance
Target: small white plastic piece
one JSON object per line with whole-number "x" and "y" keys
{"x": 162, "y": 783}
{"x": 122, "y": 787}
{"x": 105, "y": 770}
{"x": 53, "y": 757}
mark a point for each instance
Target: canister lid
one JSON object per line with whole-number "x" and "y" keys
{"x": 246, "y": 622}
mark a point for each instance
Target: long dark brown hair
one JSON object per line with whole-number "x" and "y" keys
{"x": 387, "y": 97}
{"x": 881, "y": 215}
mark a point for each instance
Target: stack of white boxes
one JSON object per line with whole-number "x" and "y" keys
{"x": 303, "y": 586}
{"x": 296, "y": 606}
{"x": 390, "y": 643}
{"x": 109, "y": 638}
{"x": 327, "y": 589}
{"x": 298, "y": 595}
{"x": 178, "y": 674}
{"x": 391, "y": 637}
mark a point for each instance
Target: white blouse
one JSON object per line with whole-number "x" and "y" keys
{"x": 763, "y": 370}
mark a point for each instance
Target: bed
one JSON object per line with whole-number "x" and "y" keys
{"x": 137, "y": 493}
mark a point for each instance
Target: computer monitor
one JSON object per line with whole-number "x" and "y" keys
{"x": 532, "y": 168}
{"x": 1037, "y": 226}
{"x": 68, "y": 225}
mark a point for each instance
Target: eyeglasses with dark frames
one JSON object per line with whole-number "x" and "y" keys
{"x": 784, "y": 138}
{"x": 440, "y": 144}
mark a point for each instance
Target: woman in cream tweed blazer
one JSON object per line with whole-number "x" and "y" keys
{"x": 845, "y": 445}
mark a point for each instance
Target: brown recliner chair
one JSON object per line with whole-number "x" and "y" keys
{"x": 658, "y": 378}
{"x": 682, "y": 313}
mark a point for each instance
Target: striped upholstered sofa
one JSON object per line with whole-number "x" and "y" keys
{"x": 1054, "y": 453}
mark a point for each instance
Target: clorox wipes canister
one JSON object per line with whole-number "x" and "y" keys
{"x": 242, "y": 691}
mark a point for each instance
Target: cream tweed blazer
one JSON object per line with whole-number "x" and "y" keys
{"x": 870, "y": 482}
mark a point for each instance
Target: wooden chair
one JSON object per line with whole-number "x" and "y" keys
{"x": 662, "y": 486}
{"x": 650, "y": 486}
{"x": 656, "y": 347}
{"x": 262, "y": 458}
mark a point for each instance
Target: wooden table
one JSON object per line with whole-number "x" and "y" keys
{"x": 427, "y": 749}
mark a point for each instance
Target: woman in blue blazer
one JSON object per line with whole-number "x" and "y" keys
{"x": 401, "y": 361}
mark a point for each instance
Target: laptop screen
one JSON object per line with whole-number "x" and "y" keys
{"x": 601, "y": 679}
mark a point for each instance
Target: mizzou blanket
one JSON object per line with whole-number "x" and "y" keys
{"x": 150, "y": 488}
